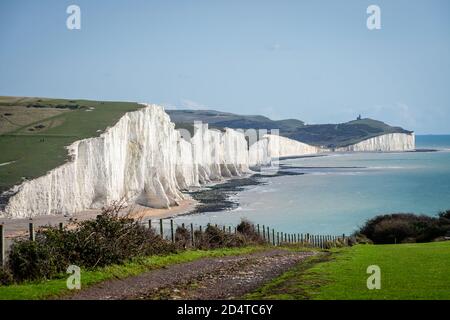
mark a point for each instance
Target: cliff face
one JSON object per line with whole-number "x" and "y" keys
{"x": 384, "y": 143}
{"x": 275, "y": 147}
{"x": 141, "y": 159}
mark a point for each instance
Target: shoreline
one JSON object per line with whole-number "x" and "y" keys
{"x": 213, "y": 197}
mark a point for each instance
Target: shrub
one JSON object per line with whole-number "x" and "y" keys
{"x": 6, "y": 278}
{"x": 248, "y": 231}
{"x": 108, "y": 239}
{"x": 397, "y": 228}
{"x": 445, "y": 216}
{"x": 214, "y": 237}
{"x": 182, "y": 237}
{"x": 31, "y": 260}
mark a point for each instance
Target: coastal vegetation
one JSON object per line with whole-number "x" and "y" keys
{"x": 117, "y": 247}
{"x": 405, "y": 228}
{"x": 110, "y": 239}
{"x": 44, "y": 289}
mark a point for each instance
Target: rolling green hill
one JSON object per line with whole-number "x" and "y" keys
{"x": 343, "y": 134}
{"x": 326, "y": 135}
{"x": 35, "y": 131}
{"x": 230, "y": 120}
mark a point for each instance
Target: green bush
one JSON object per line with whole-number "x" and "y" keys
{"x": 182, "y": 237}
{"x": 31, "y": 260}
{"x": 108, "y": 239}
{"x": 6, "y": 278}
{"x": 247, "y": 229}
{"x": 407, "y": 228}
{"x": 214, "y": 237}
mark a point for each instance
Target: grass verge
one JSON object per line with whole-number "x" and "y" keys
{"x": 56, "y": 287}
{"x": 408, "y": 271}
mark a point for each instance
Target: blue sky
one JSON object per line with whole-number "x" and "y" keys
{"x": 313, "y": 60}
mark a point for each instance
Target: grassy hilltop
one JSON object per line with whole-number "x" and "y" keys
{"x": 327, "y": 135}
{"x": 35, "y": 131}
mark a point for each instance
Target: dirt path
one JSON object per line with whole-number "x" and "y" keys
{"x": 210, "y": 278}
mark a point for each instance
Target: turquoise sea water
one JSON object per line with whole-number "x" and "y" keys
{"x": 340, "y": 192}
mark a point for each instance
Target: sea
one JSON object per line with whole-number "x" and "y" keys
{"x": 338, "y": 193}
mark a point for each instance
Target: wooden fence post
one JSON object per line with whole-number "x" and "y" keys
{"x": 2, "y": 246}
{"x": 273, "y": 236}
{"x": 229, "y": 229}
{"x": 161, "y": 230}
{"x": 31, "y": 231}
{"x": 258, "y": 230}
{"x": 223, "y": 229}
{"x": 268, "y": 235}
{"x": 278, "y": 238}
{"x": 150, "y": 224}
{"x": 171, "y": 231}
{"x": 192, "y": 235}
{"x": 264, "y": 233}
{"x": 61, "y": 226}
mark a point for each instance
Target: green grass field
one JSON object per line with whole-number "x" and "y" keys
{"x": 55, "y": 287}
{"x": 408, "y": 271}
{"x": 35, "y": 132}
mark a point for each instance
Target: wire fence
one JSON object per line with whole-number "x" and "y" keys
{"x": 167, "y": 229}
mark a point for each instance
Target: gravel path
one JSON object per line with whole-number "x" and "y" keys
{"x": 209, "y": 278}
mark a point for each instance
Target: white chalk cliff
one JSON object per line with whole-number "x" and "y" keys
{"x": 275, "y": 147}
{"x": 142, "y": 159}
{"x": 391, "y": 142}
